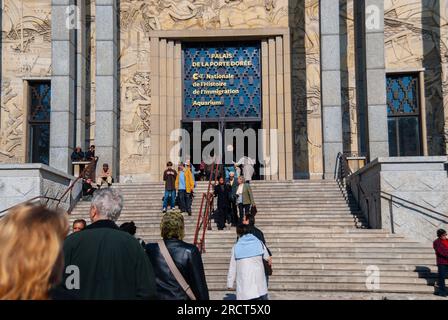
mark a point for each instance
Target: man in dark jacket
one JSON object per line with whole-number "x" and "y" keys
{"x": 440, "y": 246}
{"x": 77, "y": 155}
{"x": 223, "y": 191}
{"x": 111, "y": 264}
{"x": 169, "y": 176}
{"x": 186, "y": 257}
{"x": 90, "y": 155}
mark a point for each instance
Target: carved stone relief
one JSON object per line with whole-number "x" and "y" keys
{"x": 205, "y": 14}
{"x": 26, "y": 53}
{"x": 304, "y": 19}
{"x": 137, "y": 18}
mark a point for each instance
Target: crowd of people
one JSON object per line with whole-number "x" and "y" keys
{"x": 233, "y": 192}
{"x": 39, "y": 259}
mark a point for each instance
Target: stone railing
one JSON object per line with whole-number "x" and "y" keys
{"x": 406, "y": 196}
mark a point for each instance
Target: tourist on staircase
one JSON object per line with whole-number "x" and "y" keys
{"x": 245, "y": 197}
{"x": 223, "y": 192}
{"x": 184, "y": 187}
{"x": 169, "y": 176}
{"x": 191, "y": 168}
{"x": 78, "y": 155}
{"x": 79, "y": 225}
{"x": 105, "y": 176}
{"x": 177, "y": 265}
{"x": 31, "y": 259}
{"x": 112, "y": 264}
{"x": 131, "y": 228}
{"x": 248, "y": 167}
{"x": 249, "y": 219}
{"x": 247, "y": 266}
{"x": 90, "y": 155}
{"x": 441, "y": 249}
{"x": 233, "y": 183}
{"x": 87, "y": 189}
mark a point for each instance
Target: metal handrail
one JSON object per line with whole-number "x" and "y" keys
{"x": 345, "y": 173}
{"x": 58, "y": 200}
{"x": 207, "y": 204}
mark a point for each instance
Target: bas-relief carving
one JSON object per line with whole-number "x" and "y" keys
{"x": 137, "y": 18}
{"x": 11, "y": 134}
{"x": 26, "y": 52}
{"x": 416, "y": 37}
{"x": 206, "y": 14}
{"x": 349, "y": 106}
{"x": 304, "y": 16}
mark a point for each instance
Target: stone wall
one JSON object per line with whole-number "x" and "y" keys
{"x": 406, "y": 196}
{"x": 416, "y": 37}
{"x": 26, "y": 54}
{"x": 22, "y": 182}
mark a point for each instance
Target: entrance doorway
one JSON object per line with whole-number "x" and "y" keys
{"x": 239, "y": 139}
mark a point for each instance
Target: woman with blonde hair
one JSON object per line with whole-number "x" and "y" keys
{"x": 31, "y": 259}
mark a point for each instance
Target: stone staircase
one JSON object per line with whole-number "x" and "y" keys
{"x": 315, "y": 232}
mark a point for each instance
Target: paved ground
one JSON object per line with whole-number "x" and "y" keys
{"x": 216, "y": 295}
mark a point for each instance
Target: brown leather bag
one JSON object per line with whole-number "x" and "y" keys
{"x": 176, "y": 273}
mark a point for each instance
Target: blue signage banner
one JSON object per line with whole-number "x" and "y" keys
{"x": 222, "y": 80}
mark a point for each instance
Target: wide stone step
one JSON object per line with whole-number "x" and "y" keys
{"x": 333, "y": 279}
{"x": 332, "y": 267}
{"x": 336, "y": 260}
{"x": 341, "y": 248}
{"x": 280, "y": 272}
{"x": 321, "y": 254}
{"x": 338, "y": 287}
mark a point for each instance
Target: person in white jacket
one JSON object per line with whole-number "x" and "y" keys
{"x": 247, "y": 268}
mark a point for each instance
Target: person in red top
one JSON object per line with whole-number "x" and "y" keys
{"x": 440, "y": 246}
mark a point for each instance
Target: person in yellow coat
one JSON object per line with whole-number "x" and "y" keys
{"x": 185, "y": 188}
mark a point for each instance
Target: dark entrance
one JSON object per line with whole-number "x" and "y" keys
{"x": 249, "y": 147}
{"x": 222, "y": 90}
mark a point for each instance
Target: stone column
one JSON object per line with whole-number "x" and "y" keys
{"x": 331, "y": 85}
{"x": 81, "y": 41}
{"x": 63, "y": 50}
{"x": 372, "y": 103}
{"x": 106, "y": 114}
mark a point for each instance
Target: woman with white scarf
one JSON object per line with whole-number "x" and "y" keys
{"x": 247, "y": 267}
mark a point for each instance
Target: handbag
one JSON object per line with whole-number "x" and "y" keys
{"x": 267, "y": 268}
{"x": 253, "y": 210}
{"x": 176, "y": 273}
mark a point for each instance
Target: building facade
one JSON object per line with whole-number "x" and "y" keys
{"x": 362, "y": 77}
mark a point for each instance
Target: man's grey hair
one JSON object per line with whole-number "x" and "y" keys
{"x": 108, "y": 202}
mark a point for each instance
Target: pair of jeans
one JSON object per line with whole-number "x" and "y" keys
{"x": 244, "y": 209}
{"x": 171, "y": 194}
{"x": 185, "y": 201}
{"x": 442, "y": 270}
